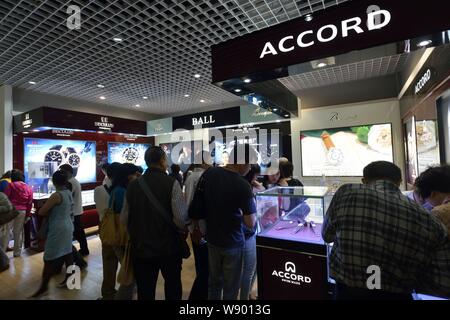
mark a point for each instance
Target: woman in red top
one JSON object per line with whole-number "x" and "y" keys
{"x": 21, "y": 196}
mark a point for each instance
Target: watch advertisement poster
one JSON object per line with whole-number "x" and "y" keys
{"x": 344, "y": 152}
{"x": 427, "y": 144}
{"x": 128, "y": 153}
{"x": 42, "y": 157}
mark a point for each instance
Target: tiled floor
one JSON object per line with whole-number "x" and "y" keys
{"x": 23, "y": 277}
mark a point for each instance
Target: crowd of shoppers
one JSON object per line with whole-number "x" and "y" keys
{"x": 369, "y": 224}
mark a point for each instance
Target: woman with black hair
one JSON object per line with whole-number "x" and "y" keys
{"x": 58, "y": 243}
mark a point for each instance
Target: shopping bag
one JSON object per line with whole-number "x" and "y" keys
{"x": 126, "y": 275}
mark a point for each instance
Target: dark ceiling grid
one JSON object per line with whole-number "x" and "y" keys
{"x": 165, "y": 44}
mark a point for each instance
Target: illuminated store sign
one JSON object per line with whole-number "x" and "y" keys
{"x": 27, "y": 122}
{"x": 423, "y": 81}
{"x": 289, "y": 275}
{"x": 104, "y": 124}
{"x": 203, "y": 120}
{"x": 375, "y": 21}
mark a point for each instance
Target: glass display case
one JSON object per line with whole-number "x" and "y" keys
{"x": 292, "y": 213}
{"x": 292, "y": 256}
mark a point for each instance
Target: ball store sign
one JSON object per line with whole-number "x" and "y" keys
{"x": 376, "y": 20}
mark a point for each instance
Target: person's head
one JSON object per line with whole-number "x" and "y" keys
{"x": 433, "y": 185}
{"x": 156, "y": 158}
{"x": 104, "y": 168}
{"x": 6, "y": 175}
{"x": 131, "y": 171}
{"x": 120, "y": 177}
{"x": 68, "y": 169}
{"x": 112, "y": 169}
{"x": 255, "y": 170}
{"x": 225, "y": 158}
{"x": 59, "y": 179}
{"x": 175, "y": 168}
{"x": 286, "y": 169}
{"x": 382, "y": 170}
{"x": 17, "y": 175}
{"x": 242, "y": 157}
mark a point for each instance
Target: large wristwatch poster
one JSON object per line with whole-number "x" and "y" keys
{"x": 342, "y": 152}
{"x": 42, "y": 157}
{"x": 128, "y": 153}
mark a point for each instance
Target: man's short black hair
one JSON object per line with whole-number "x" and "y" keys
{"x": 154, "y": 155}
{"x": 105, "y": 166}
{"x": 112, "y": 169}
{"x": 382, "y": 170}
{"x": 67, "y": 168}
{"x": 130, "y": 168}
{"x": 433, "y": 179}
{"x": 175, "y": 168}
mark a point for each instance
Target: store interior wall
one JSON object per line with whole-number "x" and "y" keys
{"x": 369, "y": 112}
{"x": 6, "y": 129}
{"x": 26, "y": 100}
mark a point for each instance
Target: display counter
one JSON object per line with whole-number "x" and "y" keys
{"x": 292, "y": 256}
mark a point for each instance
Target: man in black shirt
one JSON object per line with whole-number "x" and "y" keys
{"x": 228, "y": 201}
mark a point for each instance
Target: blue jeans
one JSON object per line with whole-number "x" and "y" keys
{"x": 248, "y": 267}
{"x": 225, "y": 269}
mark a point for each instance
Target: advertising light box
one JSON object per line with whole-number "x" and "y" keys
{"x": 344, "y": 152}
{"x": 128, "y": 153}
{"x": 42, "y": 157}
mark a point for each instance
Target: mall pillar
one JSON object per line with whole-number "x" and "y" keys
{"x": 6, "y": 129}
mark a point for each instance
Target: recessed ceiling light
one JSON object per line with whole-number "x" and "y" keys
{"x": 278, "y": 120}
{"x": 102, "y": 98}
{"x": 321, "y": 65}
{"x": 274, "y": 109}
{"x": 308, "y": 17}
{"x": 424, "y": 43}
{"x": 286, "y": 115}
{"x": 100, "y": 86}
{"x": 36, "y": 130}
{"x": 138, "y": 106}
{"x": 202, "y": 101}
{"x": 186, "y": 96}
{"x": 248, "y": 80}
{"x": 32, "y": 82}
{"x": 145, "y": 97}
{"x": 237, "y": 90}
{"x": 197, "y": 75}
{"x": 117, "y": 39}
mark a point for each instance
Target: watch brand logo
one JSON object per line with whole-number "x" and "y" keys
{"x": 62, "y": 133}
{"x": 289, "y": 275}
{"x": 423, "y": 81}
{"x": 336, "y": 117}
{"x": 376, "y": 20}
{"x": 289, "y": 267}
{"x": 27, "y": 122}
{"x": 73, "y": 21}
{"x": 104, "y": 124}
{"x": 203, "y": 120}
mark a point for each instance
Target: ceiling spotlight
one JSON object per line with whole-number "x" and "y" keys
{"x": 321, "y": 65}
{"x": 308, "y": 17}
{"x": 102, "y": 98}
{"x": 248, "y": 80}
{"x": 100, "y": 86}
{"x": 32, "y": 82}
{"x": 138, "y": 106}
{"x": 202, "y": 101}
{"x": 424, "y": 43}
{"x": 197, "y": 75}
{"x": 286, "y": 115}
{"x": 274, "y": 109}
{"x": 118, "y": 39}
{"x": 237, "y": 90}
{"x": 145, "y": 97}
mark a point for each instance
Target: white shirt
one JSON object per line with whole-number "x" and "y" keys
{"x": 190, "y": 186}
{"x": 101, "y": 199}
{"x": 76, "y": 194}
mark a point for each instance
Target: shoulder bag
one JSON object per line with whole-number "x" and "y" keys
{"x": 112, "y": 232}
{"x": 7, "y": 217}
{"x": 185, "y": 250}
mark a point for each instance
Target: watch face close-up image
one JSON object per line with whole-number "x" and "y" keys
{"x": 54, "y": 156}
{"x": 130, "y": 155}
{"x": 74, "y": 160}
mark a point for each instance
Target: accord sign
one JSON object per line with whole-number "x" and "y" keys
{"x": 375, "y": 20}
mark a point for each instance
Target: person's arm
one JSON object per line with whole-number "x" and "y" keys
{"x": 54, "y": 200}
{"x": 249, "y": 209}
{"x": 329, "y": 222}
{"x": 250, "y": 220}
{"x": 30, "y": 202}
{"x": 5, "y": 204}
{"x": 179, "y": 210}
